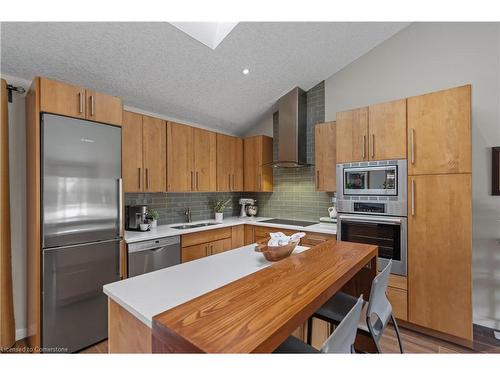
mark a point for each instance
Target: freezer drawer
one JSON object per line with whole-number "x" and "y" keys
{"x": 74, "y": 306}
{"x": 148, "y": 256}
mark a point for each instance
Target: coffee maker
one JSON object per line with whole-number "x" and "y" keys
{"x": 134, "y": 216}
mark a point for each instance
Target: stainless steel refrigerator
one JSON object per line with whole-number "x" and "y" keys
{"x": 82, "y": 228}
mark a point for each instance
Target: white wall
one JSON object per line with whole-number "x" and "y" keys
{"x": 17, "y": 169}
{"x": 264, "y": 126}
{"x": 426, "y": 57}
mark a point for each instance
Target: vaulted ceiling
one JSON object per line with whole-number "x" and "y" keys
{"x": 158, "y": 68}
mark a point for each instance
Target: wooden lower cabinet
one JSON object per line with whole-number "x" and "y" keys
{"x": 399, "y": 301}
{"x": 439, "y": 253}
{"x": 220, "y": 246}
{"x": 237, "y": 236}
{"x": 193, "y": 252}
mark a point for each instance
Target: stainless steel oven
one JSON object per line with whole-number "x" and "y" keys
{"x": 372, "y": 206}
{"x": 389, "y": 233}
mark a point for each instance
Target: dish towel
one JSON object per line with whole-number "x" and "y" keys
{"x": 280, "y": 239}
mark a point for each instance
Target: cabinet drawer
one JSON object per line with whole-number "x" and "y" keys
{"x": 399, "y": 301}
{"x": 194, "y": 252}
{"x": 313, "y": 239}
{"x": 399, "y": 282}
{"x": 264, "y": 231}
{"x": 205, "y": 236}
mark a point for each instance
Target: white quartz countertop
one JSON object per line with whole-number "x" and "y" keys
{"x": 147, "y": 295}
{"x": 167, "y": 230}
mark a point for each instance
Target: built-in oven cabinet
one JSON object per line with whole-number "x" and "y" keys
{"x": 439, "y": 253}
{"x": 376, "y": 132}
{"x": 439, "y": 132}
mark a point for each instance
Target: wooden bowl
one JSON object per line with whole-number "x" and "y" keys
{"x": 275, "y": 253}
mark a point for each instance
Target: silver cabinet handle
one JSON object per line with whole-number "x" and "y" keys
{"x": 317, "y": 179}
{"x": 147, "y": 179}
{"x": 233, "y": 181}
{"x": 197, "y": 180}
{"x": 120, "y": 207}
{"x": 229, "y": 175}
{"x": 259, "y": 185}
{"x": 412, "y": 145}
{"x": 373, "y": 145}
{"x": 92, "y": 111}
{"x": 80, "y": 100}
{"x": 140, "y": 177}
{"x": 363, "y": 146}
{"x": 412, "y": 197}
{"x": 192, "y": 180}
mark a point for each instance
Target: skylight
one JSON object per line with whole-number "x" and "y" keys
{"x": 210, "y": 34}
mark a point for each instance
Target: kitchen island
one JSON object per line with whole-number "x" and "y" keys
{"x": 233, "y": 302}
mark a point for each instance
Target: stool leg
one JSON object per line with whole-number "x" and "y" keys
{"x": 396, "y": 328}
{"x": 309, "y": 330}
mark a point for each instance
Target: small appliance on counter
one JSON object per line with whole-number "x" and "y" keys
{"x": 244, "y": 202}
{"x": 252, "y": 209}
{"x": 332, "y": 212}
{"x": 135, "y": 216}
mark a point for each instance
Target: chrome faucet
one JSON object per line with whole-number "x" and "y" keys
{"x": 187, "y": 213}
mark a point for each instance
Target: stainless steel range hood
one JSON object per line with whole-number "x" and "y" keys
{"x": 292, "y": 130}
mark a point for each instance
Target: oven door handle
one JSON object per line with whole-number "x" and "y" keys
{"x": 371, "y": 220}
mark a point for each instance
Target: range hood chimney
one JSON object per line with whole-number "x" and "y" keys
{"x": 292, "y": 130}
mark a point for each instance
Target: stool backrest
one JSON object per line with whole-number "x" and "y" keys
{"x": 378, "y": 304}
{"x": 341, "y": 341}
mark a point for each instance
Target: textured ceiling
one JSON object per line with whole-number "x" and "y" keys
{"x": 158, "y": 68}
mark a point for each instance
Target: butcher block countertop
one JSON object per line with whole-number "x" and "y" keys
{"x": 254, "y": 314}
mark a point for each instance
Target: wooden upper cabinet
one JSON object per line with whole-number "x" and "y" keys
{"x": 439, "y": 253}
{"x": 154, "y": 154}
{"x": 387, "y": 130}
{"x": 132, "y": 171}
{"x": 205, "y": 160}
{"x": 104, "y": 108}
{"x": 325, "y": 156}
{"x": 439, "y": 132}
{"x": 229, "y": 163}
{"x": 62, "y": 99}
{"x": 257, "y": 156}
{"x": 74, "y": 101}
{"x": 352, "y": 135}
{"x": 180, "y": 160}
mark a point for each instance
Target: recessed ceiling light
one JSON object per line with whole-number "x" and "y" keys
{"x": 245, "y": 71}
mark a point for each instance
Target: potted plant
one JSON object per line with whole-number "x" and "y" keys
{"x": 219, "y": 205}
{"x": 152, "y": 216}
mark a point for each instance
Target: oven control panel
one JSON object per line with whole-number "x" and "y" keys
{"x": 378, "y": 208}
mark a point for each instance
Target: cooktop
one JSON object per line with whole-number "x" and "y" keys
{"x": 297, "y": 223}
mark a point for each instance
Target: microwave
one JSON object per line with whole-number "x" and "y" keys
{"x": 372, "y": 187}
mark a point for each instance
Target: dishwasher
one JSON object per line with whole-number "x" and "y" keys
{"x": 152, "y": 255}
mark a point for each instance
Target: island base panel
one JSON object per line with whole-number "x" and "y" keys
{"x": 126, "y": 334}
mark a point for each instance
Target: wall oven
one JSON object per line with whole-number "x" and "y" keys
{"x": 372, "y": 206}
{"x": 387, "y": 232}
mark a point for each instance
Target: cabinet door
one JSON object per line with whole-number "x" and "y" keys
{"x": 61, "y": 98}
{"x": 237, "y": 165}
{"x": 104, "y": 108}
{"x": 132, "y": 170}
{"x": 387, "y": 130}
{"x": 205, "y": 160}
{"x": 439, "y": 132}
{"x": 352, "y": 134}
{"x": 265, "y": 170}
{"x": 220, "y": 246}
{"x": 439, "y": 253}
{"x": 180, "y": 157}
{"x": 224, "y": 162}
{"x": 251, "y": 159}
{"x": 237, "y": 236}
{"x": 194, "y": 252}
{"x": 325, "y": 156}
{"x": 154, "y": 154}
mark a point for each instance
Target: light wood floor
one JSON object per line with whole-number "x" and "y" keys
{"x": 413, "y": 342}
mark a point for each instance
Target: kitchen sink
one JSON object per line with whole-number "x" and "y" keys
{"x": 190, "y": 226}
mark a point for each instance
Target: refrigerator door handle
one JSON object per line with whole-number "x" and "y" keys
{"x": 120, "y": 207}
